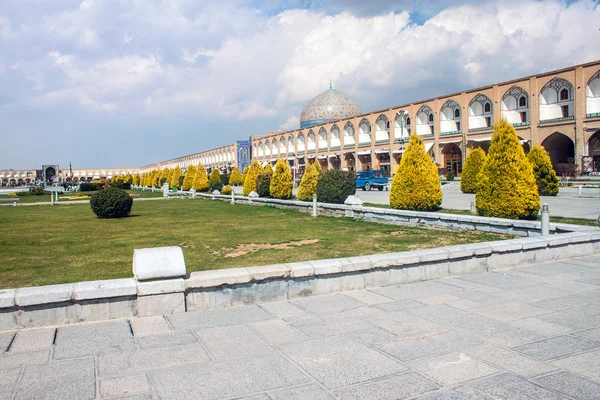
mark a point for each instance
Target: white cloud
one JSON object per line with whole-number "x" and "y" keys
{"x": 292, "y": 122}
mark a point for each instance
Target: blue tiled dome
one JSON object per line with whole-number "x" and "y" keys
{"x": 330, "y": 105}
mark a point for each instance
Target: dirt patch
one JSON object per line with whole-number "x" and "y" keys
{"x": 244, "y": 249}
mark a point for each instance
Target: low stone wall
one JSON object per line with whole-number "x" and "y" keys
{"x": 121, "y": 298}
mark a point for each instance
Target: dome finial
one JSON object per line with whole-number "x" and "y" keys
{"x": 330, "y": 86}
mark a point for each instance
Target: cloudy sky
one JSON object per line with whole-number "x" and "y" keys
{"x": 107, "y": 83}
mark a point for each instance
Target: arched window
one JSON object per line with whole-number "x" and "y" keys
{"x": 487, "y": 108}
{"x": 593, "y": 96}
{"x": 457, "y": 113}
{"x": 407, "y": 121}
{"x": 430, "y": 117}
{"x": 523, "y": 101}
{"x": 564, "y": 94}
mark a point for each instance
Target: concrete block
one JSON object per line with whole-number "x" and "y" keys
{"x": 323, "y": 285}
{"x": 353, "y": 201}
{"x": 533, "y": 243}
{"x": 124, "y": 307}
{"x": 259, "y": 292}
{"x": 162, "y": 286}
{"x": 467, "y": 266}
{"x": 124, "y": 385}
{"x": 300, "y": 288}
{"x": 377, "y": 278}
{"x": 460, "y": 251}
{"x": 89, "y": 310}
{"x": 558, "y": 239}
{"x": 434, "y": 270}
{"x": 33, "y": 340}
{"x": 404, "y": 275}
{"x": 158, "y": 262}
{"x": 7, "y": 298}
{"x": 394, "y": 259}
{"x": 277, "y": 271}
{"x": 161, "y": 304}
{"x": 104, "y": 289}
{"x": 352, "y": 282}
{"x": 218, "y": 277}
{"x": 505, "y": 246}
{"x": 432, "y": 255}
{"x": 7, "y": 319}
{"x": 301, "y": 269}
{"x": 578, "y": 237}
{"x": 548, "y": 254}
{"x": 353, "y": 264}
{"x": 326, "y": 267}
{"x": 207, "y": 299}
{"x": 43, "y": 295}
{"x": 55, "y": 314}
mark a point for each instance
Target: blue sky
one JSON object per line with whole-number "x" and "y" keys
{"x": 106, "y": 83}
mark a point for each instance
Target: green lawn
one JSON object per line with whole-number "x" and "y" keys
{"x": 45, "y": 245}
{"x": 561, "y": 220}
{"x": 66, "y": 196}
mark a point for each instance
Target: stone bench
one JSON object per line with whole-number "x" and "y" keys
{"x": 13, "y": 200}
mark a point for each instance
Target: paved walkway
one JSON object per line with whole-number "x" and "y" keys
{"x": 529, "y": 333}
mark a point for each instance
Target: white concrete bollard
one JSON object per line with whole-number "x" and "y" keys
{"x": 314, "y": 208}
{"x": 579, "y": 190}
{"x": 158, "y": 262}
{"x": 473, "y": 209}
{"x": 232, "y": 196}
{"x": 545, "y": 220}
{"x": 52, "y": 198}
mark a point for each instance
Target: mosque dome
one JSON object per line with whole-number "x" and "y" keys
{"x": 328, "y": 106}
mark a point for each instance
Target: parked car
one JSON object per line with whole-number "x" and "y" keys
{"x": 366, "y": 180}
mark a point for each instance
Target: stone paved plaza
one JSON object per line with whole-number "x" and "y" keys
{"x": 527, "y": 333}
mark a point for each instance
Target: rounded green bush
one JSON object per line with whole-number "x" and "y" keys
{"x": 111, "y": 203}
{"x": 335, "y": 186}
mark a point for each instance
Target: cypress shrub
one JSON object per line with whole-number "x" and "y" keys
{"x": 165, "y": 174}
{"x": 308, "y": 184}
{"x": 87, "y": 187}
{"x": 111, "y": 203}
{"x": 545, "y": 176}
{"x": 226, "y": 190}
{"x": 281, "y": 182}
{"x": 250, "y": 179}
{"x": 224, "y": 179}
{"x": 471, "y": 169}
{"x": 188, "y": 181}
{"x": 317, "y": 165}
{"x": 128, "y": 178}
{"x": 335, "y": 186}
{"x": 268, "y": 168}
{"x": 215, "y": 180}
{"x": 507, "y": 187}
{"x": 235, "y": 178}
{"x": 136, "y": 179}
{"x": 416, "y": 185}
{"x": 175, "y": 174}
{"x": 263, "y": 184}
{"x": 246, "y": 168}
{"x": 201, "y": 179}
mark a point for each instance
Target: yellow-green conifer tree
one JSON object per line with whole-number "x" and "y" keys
{"x": 268, "y": 168}
{"x": 250, "y": 179}
{"x": 175, "y": 174}
{"x": 190, "y": 174}
{"x": 545, "y": 176}
{"x": 416, "y": 185}
{"x": 246, "y": 168}
{"x": 166, "y": 175}
{"x": 507, "y": 187}
{"x": 215, "y": 179}
{"x": 235, "y": 178}
{"x": 136, "y": 179}
{"x": 471, "y": 169}
{"x": 308, "y": 184}
{"x": 128, "y": 178}
{"x": 201, "y": 179}
{"x": 317, "y": 166}
{"x": 281, "y": 181}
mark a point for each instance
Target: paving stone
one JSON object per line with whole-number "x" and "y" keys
{"x": 224, "y": 317}
{"x": 544, "y": 328}
{"x": 338, "y": 361}
{"x": 574, "y": 286}
{"x": 282, "y": 309}
{"x": 464, "y": 305}
{"x": 92, "y": 338}
{"x": 402, "y": 324}
{"x": 262, "y": 396}
{"x": 571, "y": 385}
{"x": 494, "y": 331}
{"x": 33, "y": 340}
{"x": 454, "y": 281}
{"x": 428, "y": 345}
{"x": 554, "y": 268}
{"x": 368, "y": 297}
{"x": 566, "y": 302}
{"x": 327, "y": 304}
{"x": 5, "y": 341}
{"x": 454, "y": 368}
{"x": 415, "y": 290}
{"x": 8, "y": 380}
{"x": 232, "y": 342}
{"x": 439, "y": 299}
{"x": 398, "y": 305}
{"x": 479, "y": 296}
{"x": 145, "y": 326}
{"x": 500, "y": 280}
{"x": 18, "y": 360}
{"x": 534, "y": 294}
{"x": 306, "y": 319}
{"x": 124, "y": 385}
{"x": 510, "y": 360}
{"x": 372, "y": 335}
{"x": 586, "y": 364}
{"x": 500, "y": 387}
{"x": 395, "y": 387}
{"x": 508, "y": 311}
{"x": 277, "y": 332}
{"x": 334, "y": 327}
{"x": 72, "y": 379}
{"x": 436, "y": 313}
{"x": 226, "y": 379}
{"x": 556, "y": 347}
{"x": 590, "y": 334}
{"x": 575, "y": 318}
{"x": 307, "y": 392}
{"x": 159, "y": 341}
{"x": 129, "y": 362}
